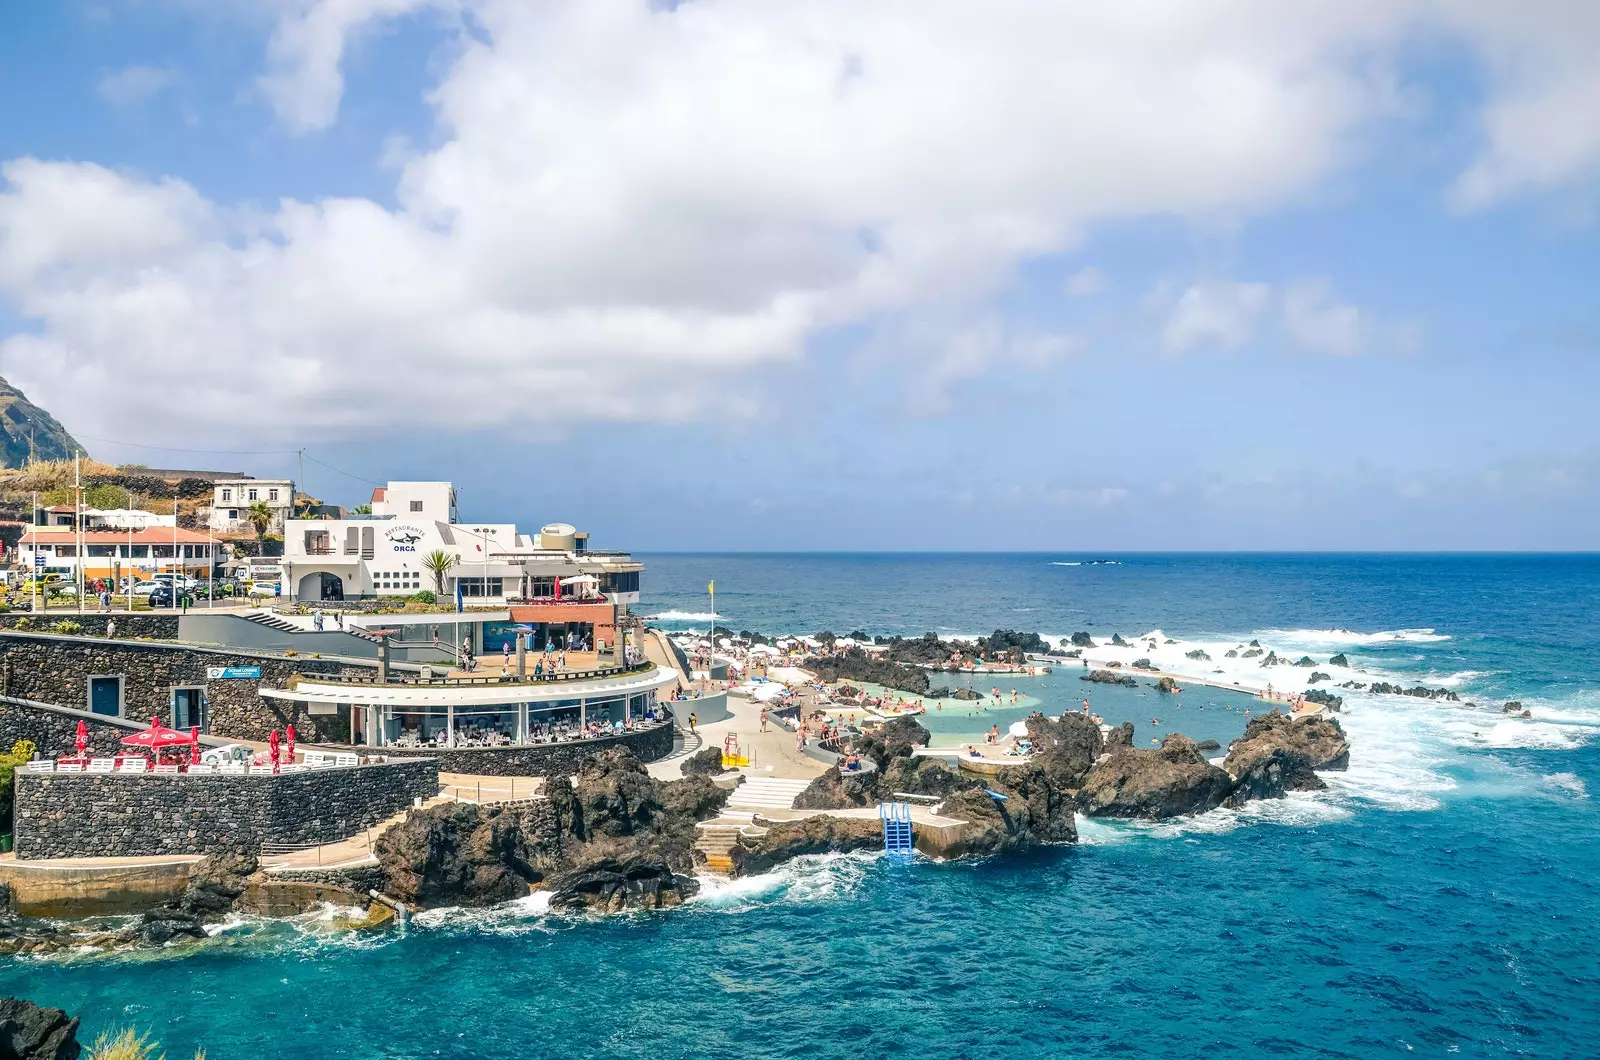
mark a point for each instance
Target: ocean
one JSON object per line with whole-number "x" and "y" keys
{"x": 1438, "y": 899}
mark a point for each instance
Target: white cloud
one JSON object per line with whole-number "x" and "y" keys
{"x": 1315, "y": 320}
{"x": 134, "y": 86}
{"x": 1216, "y": 312}
{"x": 1541, "y": 121}
{"x": 1085, "y": 283}
{"x": 625, "y": 203}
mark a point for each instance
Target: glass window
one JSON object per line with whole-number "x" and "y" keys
{"x": 416, "y": 506}
{"x": 272, "y": 495}
{"x": 227, "y": 495}
{"x": 252, "y": 495}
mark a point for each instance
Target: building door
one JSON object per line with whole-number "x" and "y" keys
{"x": 189, "y": 709}
{"x": 105, "y": 696}
{"x": 332, "y": 587}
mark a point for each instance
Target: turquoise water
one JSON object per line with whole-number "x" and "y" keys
{"x": 1437, "y": 900}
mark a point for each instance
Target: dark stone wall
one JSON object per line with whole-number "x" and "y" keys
{"x": 55, "y": 733}
{"x": 56, "y": 669}
{"x": 154, "y": 626}
{"x": 541, "y": 760}
{"x": 65, "y": 815}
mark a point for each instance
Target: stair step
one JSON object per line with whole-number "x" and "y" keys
{"x": 720, "y": 864}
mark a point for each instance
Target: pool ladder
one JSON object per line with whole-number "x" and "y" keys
{"x": 896, "y": 818}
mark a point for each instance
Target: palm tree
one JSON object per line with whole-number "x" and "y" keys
{"x": 260, "y": 517}
{"x": 439, "y": 563}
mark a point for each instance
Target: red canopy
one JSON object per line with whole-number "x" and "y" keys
{"x": 157, "y": 735}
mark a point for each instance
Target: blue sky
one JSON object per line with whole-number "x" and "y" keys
{"x": 722, "y": 275}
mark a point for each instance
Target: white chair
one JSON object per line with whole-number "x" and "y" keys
{"x": 261, "y": 771}
{"x": 200, "y": 769}
{"x": 313, "y": 759}
{"x": 293, "y": 767}
{"x": 70, "y": 767}
{"x": 40, "y": 765}
{"x": 102, "y": 765}
{"x": 348, "y": 760}
{"x": 235, "y": 768}
{"x": 166, "y": 769}
{"x": 136, "y": 765}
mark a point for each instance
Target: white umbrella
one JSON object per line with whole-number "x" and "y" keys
{"x": 723, "y": 642}
{"x": 1019, "y": 729}
{"x": 764, "y": 649}
{"x": 769, "y": 692}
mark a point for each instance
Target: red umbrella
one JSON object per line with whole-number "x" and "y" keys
{"x": 272, "y": 741}
{"x": 194, "y": 745}
{"x": 558, "y": 590}
{"x": 290, "y": 734}
{"x": 83, "y": 737}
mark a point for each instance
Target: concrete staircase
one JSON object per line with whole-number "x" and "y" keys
{"x": 272, "y": 621}
{"x": 714, "y": 839}
{"x": 765, "y": 793}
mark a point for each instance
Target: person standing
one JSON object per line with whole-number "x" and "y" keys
{"x": 691, "y": 721}
{"x": 763, "y": 719}
{"x": 111, "y": 628}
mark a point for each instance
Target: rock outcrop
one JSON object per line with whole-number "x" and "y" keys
{"x": 1325, "y": 698}
{"x": 706, "y": 762}
{"x": 1338, "y": 660}
{"x": 1198, "y": 654}
{"x": 819, "y": 834}
{"x": 1171, "y": 781}
{"x": 1082, "y": 640}
{"x": 161, "y": 926}
{"x": 611, "y": 886}
{"x": 1321, "y": 741}
{"x": 29, "y": 1032}
{"x": 216, "y": 882}
{"x": 616, "y": 819}
{"x": 966, "y": 695}
{"x": 1167, "y": 685}
{"x": 1107, "y": 677}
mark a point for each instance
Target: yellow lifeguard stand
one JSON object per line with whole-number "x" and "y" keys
{"x": 732, "y": 756}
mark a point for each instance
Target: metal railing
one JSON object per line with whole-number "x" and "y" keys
{"x": 486, "y": 679}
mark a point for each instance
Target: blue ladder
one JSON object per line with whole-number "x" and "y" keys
{"x": 896, "y": 818}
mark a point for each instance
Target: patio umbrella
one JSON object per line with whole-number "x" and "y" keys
{"x": 194, "y": 745}
{"x": 272, "y": 742}
{"x": 290, "y": 734}
{"x": 83, "y": 737}
{"x": 558, "y": 590}
{"x": 156, "y": 737}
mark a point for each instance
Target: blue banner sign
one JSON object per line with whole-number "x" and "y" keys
{"x": 225, "y": 673}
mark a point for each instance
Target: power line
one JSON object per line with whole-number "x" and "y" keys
{"x": 346, "y": 474}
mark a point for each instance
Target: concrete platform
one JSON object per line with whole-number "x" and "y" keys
{"x": 77, "y": 887}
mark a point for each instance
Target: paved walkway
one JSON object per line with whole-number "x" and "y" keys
{"x": 10, "y": 861}
{"x": 772, "y": 753}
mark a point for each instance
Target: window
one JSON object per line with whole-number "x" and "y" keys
{"x": 102, "y": 550}
{"x": 475, "y": 586}
{"x": 252, "y": 495}
{"x": 227, "y": 496}
{"x": 233, "y": 515}
{"x": 141, "y": 552}
{"x": 272, "y": 495}
{"x": 416, "y": 506}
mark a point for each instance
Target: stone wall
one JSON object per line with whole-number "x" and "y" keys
{"x": 154, "y": 626}
{"x": 55, "y": 732}
{"x": 541, "y": 760}
{"x": 56, "y": 669}
{"x": 65, "y": 815}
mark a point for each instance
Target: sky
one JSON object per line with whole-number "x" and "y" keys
{"x": 838, "y": 274}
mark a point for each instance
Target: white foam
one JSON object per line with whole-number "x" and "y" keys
{"x": 1061, "y": 563}
{"x": 1570, "y": 783}
{"x": 685, "y": 616}
{"x": 1322, "y": 637}
{"x": 813, "y": 878}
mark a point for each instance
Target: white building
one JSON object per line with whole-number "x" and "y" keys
{"x": 232, "y": 499}
{"x": 385, "y": 554}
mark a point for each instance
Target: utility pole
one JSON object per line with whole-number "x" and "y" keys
{"x": 77, "y": 519}
{"x": 301, "y": 485}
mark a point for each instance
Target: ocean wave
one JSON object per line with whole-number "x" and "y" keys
{"x": 1064, "y": 563}
{"x": 1351, "y": 637}
{"x": 813, "y": 878}
{"x": 685, "y": 616}
{"x": 1570, "y": 783}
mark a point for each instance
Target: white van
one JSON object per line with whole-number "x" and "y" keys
{"x": 181, "y": 581}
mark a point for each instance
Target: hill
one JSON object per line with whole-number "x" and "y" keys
{"x": 18, "y": 418}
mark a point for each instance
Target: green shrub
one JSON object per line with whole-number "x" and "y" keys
{"x": 426, "y": 596}
{"x": 25, "y": 622}
{"x": 67, "y": 626}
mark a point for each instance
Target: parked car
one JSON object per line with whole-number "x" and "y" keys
{"x": 162, "y": 596}
{"x": 183, "y": 580}
{"x": 146, "y": 588}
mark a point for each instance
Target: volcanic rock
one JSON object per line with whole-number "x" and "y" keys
{"x": 160, "y": 926}
{"x": 216, "y": 882}
{"x": 1198, "y": 654}
{"x": 1118, "y": 642}
{"x": 818, "y": 834}
{"x": 1082, "y": 640}
{"x": 29, "y": 1032}
{"x": 966, "y": 695}
{"x": 706, "y": 762}
{"x": 1142, "y": 664}
{"x": 1167, "y": 685}
{"x": 1319, "y": 739}
{"x": 612, "y": 886}
{"x": 1106, "y": 677}
{"x": 1326, "y": 698}
{"x": 1513, "y": 707}
{"x": 1169, "y": 782}
{"x": 1339, "y": 660}
{"x": 1317, "y": 675}
{"x": 1120, "y": 738}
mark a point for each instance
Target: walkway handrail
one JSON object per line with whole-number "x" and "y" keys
{"x": 402, "y": 678}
